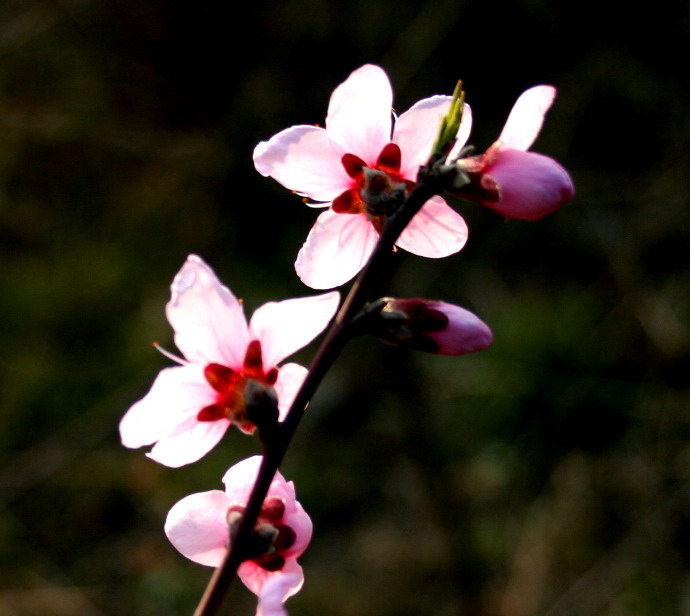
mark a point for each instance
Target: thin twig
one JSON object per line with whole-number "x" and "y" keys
{"x": 370, "y": 278}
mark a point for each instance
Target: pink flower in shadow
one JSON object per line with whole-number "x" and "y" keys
{"x": 226, "y": 361}
{"x": 201, "y": 525}
{"x": 359, "y": 150}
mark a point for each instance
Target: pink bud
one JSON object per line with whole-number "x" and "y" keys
{"x": 432, "y": 326}
{"x": 526, "y": 185}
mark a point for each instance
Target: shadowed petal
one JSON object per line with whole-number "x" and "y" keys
{"x": 359, "y": 113}
{"x": 208, "y": 320}
{"x": 465, "y": 332}
{"x": 198, "y": 528}
{"x": 176, "y": 395}
{"x": 306, "y": 160}
{"x": 254, "y": 576}
{"x": 290, "y": 378}
{"x": 273, "y": 594}
{"x": 526, "y": 117}
{"x": 416, "y": 131}
{"x": 285, "y": 327}
{"x": 437, "y": 230}
{"x": 337, "y": 247}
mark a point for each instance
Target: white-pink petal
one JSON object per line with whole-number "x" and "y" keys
{"x": 197, "y": 527}
{"x": 189, "y": 442}
{"x": 526, "y": 117}
{"x": 255, "y": 577}
{"x": 359, "y": 113}
{"x": 290, "y": 379}
{"x": 337, "y": 247}
{"x": 240, "y": 478}
{"x": 437, "y": 230}
{"x": 286, "y": 326}
{"x": 416, "y": 131}
{"x": 306, "y": 160}
{"x": 208, "y": 319}
{"x": 176, "y": 395}
{"x": 274, "y": 592}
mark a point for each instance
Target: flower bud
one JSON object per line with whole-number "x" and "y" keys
{"x": 427, "y": 325}
{"x": 523, "y": 185}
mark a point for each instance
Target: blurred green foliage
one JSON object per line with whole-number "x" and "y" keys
{"x": 545, "y": 476}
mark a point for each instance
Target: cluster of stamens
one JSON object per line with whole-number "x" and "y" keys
{"x": 270, "y": 537}
{"x": 237, "y": 390}
{"x": 375, "y": 187}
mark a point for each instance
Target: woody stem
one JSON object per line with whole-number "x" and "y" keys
{"x": 373, "y": 276}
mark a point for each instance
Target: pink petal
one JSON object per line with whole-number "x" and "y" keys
{"x": 208, "y": 320}
{"x": 416, "y": 131}
{"x": 239, "y": 479}
{"x": 287, "y": 326}
{"x": 529, "y": 185}
{"x": 273, "y": 594}
{"x": 306, "y": 160}
{"x": 437, "y": 230}
{"x": 465, "y": 333}
{"x": 190, "y": 441}
{"x": 298, "y": 519}
{"x": 290, "y": 379}
{"x": 526, "y": 117}
{"x": 255, "y": 577}
{"x": 336, "y": 249}
{"x": 359, "y": 113}
{"x": 176, "y": 395}
{"x": 198, "y": 528}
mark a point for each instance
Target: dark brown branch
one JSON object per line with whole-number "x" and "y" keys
{"x": 372, "y": 277}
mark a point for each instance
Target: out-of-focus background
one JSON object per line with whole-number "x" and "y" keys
{"x": 548, "y": 475}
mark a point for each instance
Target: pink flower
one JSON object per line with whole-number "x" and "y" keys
{"x": 201, "y": 525}
{"x": 511, "y": 180}
{"x": 432, "y": 326}
{"x": 189, "y": 407}
{"x": 354, "y": 153}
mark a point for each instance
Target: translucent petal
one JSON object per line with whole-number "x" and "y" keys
{"x": 285, "y": 327}
{"x": 416, "y": 131}
{"x": 176, "y": 395}
{"x": 359, "y": 113}
{"x": 437, "y": 230}
{"x": 274, "y": 592}
{"x": 290, "y": 378}
{"x": 207, "y": 318}
{"x": 337, "y": 247}
{"x": 198, "y": 528}
{"x": 306, "y": 160}
{"x": 254, "y": 577}
{"x": 192, "y": 440}
{"x": 526, "y": 117}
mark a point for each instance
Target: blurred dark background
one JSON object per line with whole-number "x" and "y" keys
{"x": 545, "y": 476}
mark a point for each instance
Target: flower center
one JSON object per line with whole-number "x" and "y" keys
{"x": 236, "y": 389}
{"x": 374, "y": 187}
{"x": 270, "y": 538}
